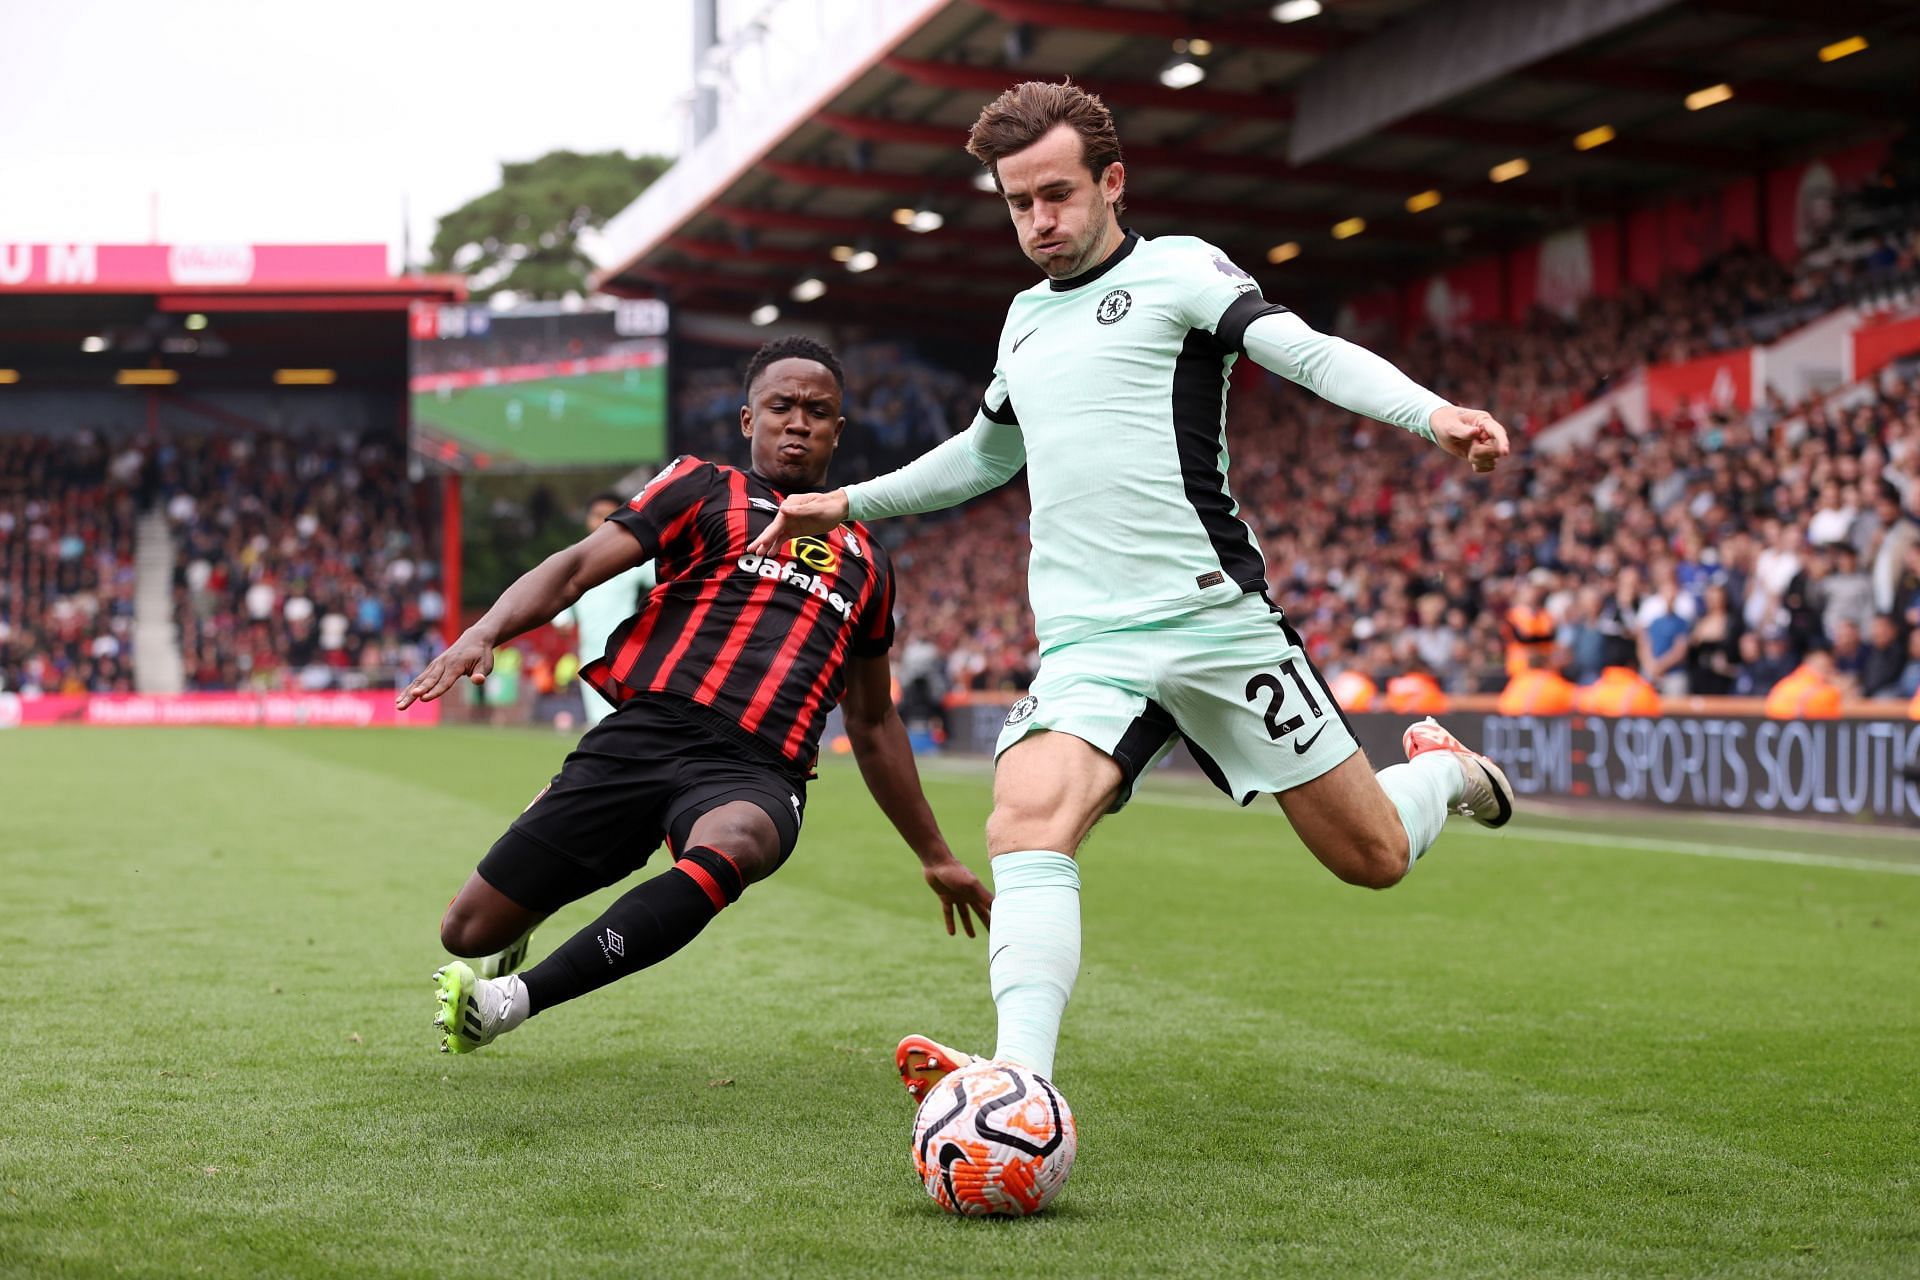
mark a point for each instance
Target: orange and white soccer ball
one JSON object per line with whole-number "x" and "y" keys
{"x": 994, "y": 1138}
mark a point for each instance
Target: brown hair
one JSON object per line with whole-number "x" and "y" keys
{"x": 1027, "y": 112}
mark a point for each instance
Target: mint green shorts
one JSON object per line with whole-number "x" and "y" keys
{"x": 1232, "y": 680}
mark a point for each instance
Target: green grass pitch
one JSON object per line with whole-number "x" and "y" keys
{"x": 616, "y": 418}
{"x": 1541, "y": 1056}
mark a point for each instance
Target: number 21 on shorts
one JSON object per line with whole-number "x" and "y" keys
{"x": 1276, "y": 690}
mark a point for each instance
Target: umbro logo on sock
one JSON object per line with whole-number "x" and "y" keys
{"x": 613, "y": 944}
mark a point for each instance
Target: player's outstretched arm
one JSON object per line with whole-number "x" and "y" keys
{"x": 535, "y": 597}
{"x": 1355, "y": 378}
{"x": 984, "y": 456}
{"x": 886, "y": 763}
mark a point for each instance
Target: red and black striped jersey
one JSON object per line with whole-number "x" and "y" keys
{"x": 759, "y": 642}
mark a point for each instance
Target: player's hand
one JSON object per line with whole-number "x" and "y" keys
{"x": 961, "y": 890}
{"x": 1472, "y": 434}
{"x": 801, "y": 516}
{"x": 470, "y": 656}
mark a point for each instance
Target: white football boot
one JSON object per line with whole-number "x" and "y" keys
{"x": 1487, "y": 797}
{"x": 476, "y": 1011}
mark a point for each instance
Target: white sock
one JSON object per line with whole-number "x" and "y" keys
{"x": 515, "y": 1003}
{"x": 1033, "y": 952}
{"x": 1424, "y": 790}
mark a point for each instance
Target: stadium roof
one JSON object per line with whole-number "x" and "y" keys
{"x": 74, "y": 315}
{"x": 1296, "y": 128}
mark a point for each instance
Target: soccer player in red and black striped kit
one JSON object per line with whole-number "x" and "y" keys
{"x": 722, "y": 683}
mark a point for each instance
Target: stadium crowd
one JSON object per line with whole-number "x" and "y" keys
{"x": 67, "y": 516}
{"x": 303, "y": 561}
{"x": 1532, "y": 374}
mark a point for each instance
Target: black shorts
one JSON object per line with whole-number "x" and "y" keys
{"x": 643, "y": 774}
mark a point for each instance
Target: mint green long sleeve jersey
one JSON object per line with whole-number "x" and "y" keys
{"x": 1111, "y": 389}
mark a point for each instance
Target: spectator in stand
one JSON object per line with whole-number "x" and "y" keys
{"x": 1579, "y": 637}
{"x": 1664, "y": 621}
{"x": 1909, "y": 685}
{"x": 1618, "y": 622}
{"x": 1435, "y": 644}
{"x": 1774, "y": 570}
{"x": 1894, "y": 556}
{"x": 1764, "y": 662}
{"x": 1906, "y": 592}
{"x": 1833, "y": 521}
{"x": 1847, "y": 657}
{"x": 1842, "y": 594}
{"x": 1713, "y": 647}
{"x": 1881, "y": 667}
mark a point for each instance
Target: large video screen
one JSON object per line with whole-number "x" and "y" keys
{"x": 539, "y": 388}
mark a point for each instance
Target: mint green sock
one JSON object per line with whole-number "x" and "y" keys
{"x": 1033, "y": 952}
{"x": 1424, "y": 790}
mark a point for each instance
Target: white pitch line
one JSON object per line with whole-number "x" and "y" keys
{"x": 1734, "y": 853}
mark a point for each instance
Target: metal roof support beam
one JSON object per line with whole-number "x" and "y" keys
{"x": 906, "y": 184}
{"x": 1247, "y": 33}
{"x": 1441, "y": 52}
{"x": 995, "y": 80}
{"x": 864, "y": 293}
{"x": 1185, "y": 160}
{"x": 849, "y": 230}
{"x": 1783, "y": 94}
{"x": 1241, "y": 106}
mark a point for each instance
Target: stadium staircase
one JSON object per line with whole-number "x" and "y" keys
{"x": 157, "y": 666}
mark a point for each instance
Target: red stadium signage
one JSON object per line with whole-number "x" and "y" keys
{"x": 349, "y": 710}
{"x": 40, "y": 268}
{"x": 1882, "y": 340}
{"x": 1717, "y": 383}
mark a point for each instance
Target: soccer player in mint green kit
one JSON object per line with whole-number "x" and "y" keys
{"x": 600, "y": 611}
{"x": 1148, "y": 591}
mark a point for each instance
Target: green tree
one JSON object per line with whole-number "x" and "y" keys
{"x": 524, "y": 234}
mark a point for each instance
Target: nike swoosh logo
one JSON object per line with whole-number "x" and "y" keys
{"x": 1023, "y": 337}
{"x": 1301, "y": 748}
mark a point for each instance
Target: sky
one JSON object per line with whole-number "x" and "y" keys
{"x": 262, "y": 121}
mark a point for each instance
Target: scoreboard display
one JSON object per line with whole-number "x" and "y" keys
{"x": 539, "y": 388}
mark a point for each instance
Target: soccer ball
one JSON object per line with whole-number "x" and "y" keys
{"x": 994, "y": 1138}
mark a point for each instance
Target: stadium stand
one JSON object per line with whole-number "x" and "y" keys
{"x": 301, "y": 562}
{"x": 67, "y": 512}
{"x": 304, "y": 563}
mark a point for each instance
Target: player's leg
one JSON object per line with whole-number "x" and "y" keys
{"x": 1348, "y": 820}
{"x": 594, "y": 824}
{"x": 1371, "y": 828}
{"x": 1069, "y": 754}
{"x": 723, "y": 849}
{"x": 530, "y": 871}
{"x": 481, "y": 919}
{"x": 1048, "y": 791}
{"x": 1260, "y": 719}
{"x": 486, "y": 926}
